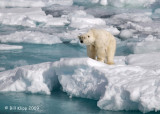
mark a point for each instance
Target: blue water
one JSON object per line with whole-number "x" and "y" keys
{"x": 36, "y": 53}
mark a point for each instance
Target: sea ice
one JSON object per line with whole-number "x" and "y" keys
{"x": 2, "y": 69}
{"x": 31, "y": 17}
{"x": 30, "y": 37}
{"x": 80, "y": 19}
{"x": 157, "y": 11}
{"x": 145, "y": 45}
{"x": 125, "y": 34}
{"x": 125, "y": 3}
{"x": 33, "y": 3}
{"x": 130, "y": 86}
{"x": 38, "y": 78}
{"x": 9, "y": 47}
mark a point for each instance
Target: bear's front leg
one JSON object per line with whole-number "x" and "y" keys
{"x": 101, "y": 54}
{"x": 111, "y": 52}
{"x": 91, "y": 52}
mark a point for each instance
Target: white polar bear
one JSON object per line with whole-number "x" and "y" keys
{"x": 101, "y": 45}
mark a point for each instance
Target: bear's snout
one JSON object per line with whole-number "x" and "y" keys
{"x": 80, "y": 38}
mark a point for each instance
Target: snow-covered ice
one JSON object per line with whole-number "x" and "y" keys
{"x": 36, "y": 37}
{"x": 145, "y": 45}
{"x": 35, "y": 78}
{"x": 33, "y": 3}
{"x": 80, "y": 19}
{"x": 125, "y": 3}
{"x": 130, "y": 86}
{"x": 9, "y": 47}
{"x": 30, "y": 37}
{"x": 126, "y": 34}
{"x": 2, "y": 68}
{"x": 30, "y": 17}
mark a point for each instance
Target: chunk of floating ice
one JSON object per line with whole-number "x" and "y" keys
{"x": 35, "y": 78}
{"x": 125, "y": 3}
{"x": 31, "y": 17}
{"x": 80, "y": 19}
{"x": 134, "y": 17}
{"x": 113, "y": 30}
{"x": 149, "y": 44}
{"x": 116, "y": 87}
{"x": 147, "y": 60}
{"x": 9, "y": 47}
{"x": 36, "y": 37}
{"x": 30, "y": 37}
{"x": 33, "y": 3}
{"x": 157, "y": 11}
{"x": 2, "y": 69}
{"x": 125, "y": 34}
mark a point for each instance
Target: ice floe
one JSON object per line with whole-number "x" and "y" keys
{"x": 30, "y": 37}
{"x": 126, "y": 34}
{"x": 33, "y": 3}
{"x": 80, "y": 19}
{"x": 130, "y": 84}
{"x": 2, "y": 69}
{"x": 145, "y": 45}
{"x": 10, "y": 47}
{"x": 125, "y": 3}
{"x": 30, "y": 17}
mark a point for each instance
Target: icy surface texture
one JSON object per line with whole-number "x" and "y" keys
{"x": 35, "y": 78}
{"x": 116, "y": 87}
{"x": 9, "y": 47}
{"x": 30, "y": 37}
{"x": 122, "y": 3}
{"x": 33, "y": 3}
{"x": 31, "y": 17}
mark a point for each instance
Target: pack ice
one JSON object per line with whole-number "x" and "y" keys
{"x": 9, "y": 47}
{"x": 31, "y": 17}
{"x": 33, "y": 3}
{"x": 131, "y": 84}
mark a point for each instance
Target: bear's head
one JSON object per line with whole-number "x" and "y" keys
{"x": 87, "y": 38}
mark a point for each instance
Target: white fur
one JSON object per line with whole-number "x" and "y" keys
{"x": 101, "y": 45}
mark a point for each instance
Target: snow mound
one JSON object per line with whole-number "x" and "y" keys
{"x": 31, "y": 17}
{"x": 33, "y": 3}
{"x": 9, "y": 47}
{"x": 116, "y": 87}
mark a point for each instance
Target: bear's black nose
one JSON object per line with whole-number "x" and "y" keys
{"x": 81, "y": 41}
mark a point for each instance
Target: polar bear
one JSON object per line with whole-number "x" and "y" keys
{"x": 101, "y": 45}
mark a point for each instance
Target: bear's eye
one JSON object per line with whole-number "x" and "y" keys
{"x": 88, "y": 36}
